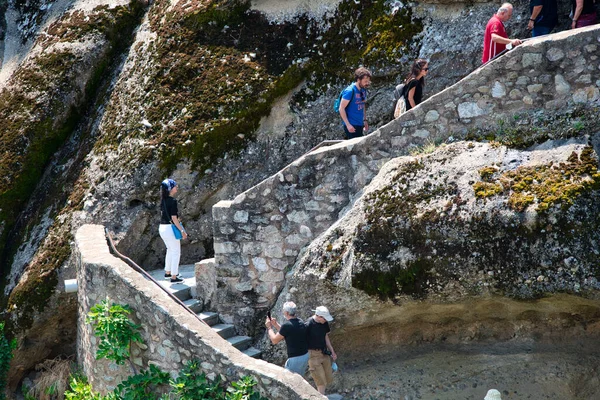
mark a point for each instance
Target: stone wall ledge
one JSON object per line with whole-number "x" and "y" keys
{"x": 262, "y": 230}
{"x": 171, "y": 335}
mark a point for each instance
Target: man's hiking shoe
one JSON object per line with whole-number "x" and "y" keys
{"x": 176, "y": 280}
{"x": 169, "y": 275}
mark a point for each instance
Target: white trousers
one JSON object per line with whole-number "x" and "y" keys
{"x": 173, "y": 248}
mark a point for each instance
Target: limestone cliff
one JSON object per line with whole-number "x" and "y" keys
{"x": 101, "y": 100}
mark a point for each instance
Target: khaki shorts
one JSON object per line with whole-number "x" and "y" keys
{"x": 319, "y": 366}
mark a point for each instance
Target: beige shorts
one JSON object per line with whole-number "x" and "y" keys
{"x": 319, "y": 366}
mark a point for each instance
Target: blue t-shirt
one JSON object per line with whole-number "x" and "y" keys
{"x": 355, "y": 109}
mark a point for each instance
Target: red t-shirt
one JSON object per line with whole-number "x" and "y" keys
{"x": 490, "y": 49}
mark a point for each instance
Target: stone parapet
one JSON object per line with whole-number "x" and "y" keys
{"x": 172, "y": 335}
{"x": 259, "y": 234}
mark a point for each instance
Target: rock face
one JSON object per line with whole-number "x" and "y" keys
{"x": 472, "y": 219}
{"x": 426, "y": 256}
{"x": 105, "y": 100}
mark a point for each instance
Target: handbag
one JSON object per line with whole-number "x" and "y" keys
{"x": 176, "y": 231}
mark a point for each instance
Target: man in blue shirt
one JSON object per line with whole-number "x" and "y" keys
{"x": 352, "y": 105}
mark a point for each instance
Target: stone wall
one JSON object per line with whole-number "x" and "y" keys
{"x": 259, "y": 234}
{"x": 172, "y": 336}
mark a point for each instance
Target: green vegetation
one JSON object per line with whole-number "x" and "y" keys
{"x": 36, "y": 120}
{"x": 6, "y": 348}
{"x": 544, "y": 185}
{"x": 115, "y": 331}
{"x": 147, "y": 385}
{"x": 80, "y": 389}
{"x": 429, "y": 147}
{"x": 486, "y": 189}
{"x": 209, "y": 94}
{"x": 154, "y": 384}
{"x": 408, "y": 280}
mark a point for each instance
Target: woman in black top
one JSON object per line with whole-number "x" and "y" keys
{"x": 584, "y": 13}
{"x": 168, "y": 217}
{"x": 415, "y": 82}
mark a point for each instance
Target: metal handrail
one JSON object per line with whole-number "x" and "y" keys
{"x": 139, "y": 269}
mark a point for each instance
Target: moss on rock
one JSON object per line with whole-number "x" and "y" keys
{"x": 219, "y": 67}
{"x": 545, "y": 185}
{"x": 38, "y": 113}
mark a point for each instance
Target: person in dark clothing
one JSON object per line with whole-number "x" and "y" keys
{"x": 415, "y": 83}
{"x": 544, "y": 17}
{"x": 584, "y": 13}
{"x": 320, "y": 350}
{"x": 169, "y": 216}
{"x": 294, "y": 333}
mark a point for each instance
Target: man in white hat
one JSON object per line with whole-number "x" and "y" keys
{"x": 493, "y": 394}
{"x": 320, "y": 350}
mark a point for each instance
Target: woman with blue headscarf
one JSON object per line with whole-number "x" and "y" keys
{"x": 169, "y": 221}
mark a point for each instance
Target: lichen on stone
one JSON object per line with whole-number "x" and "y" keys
{"x": 544, "y": 185}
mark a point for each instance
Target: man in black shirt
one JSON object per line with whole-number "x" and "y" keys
{"x": 544, "y": 17}
{"x": 294, "y": 333}
{"x": 320, "y": 350}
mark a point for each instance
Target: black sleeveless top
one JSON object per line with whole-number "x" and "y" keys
{"x": 418, "y": 92}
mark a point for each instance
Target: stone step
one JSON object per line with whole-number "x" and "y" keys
{"x": 210, "y": 318}
{"x": 252, "y": 352}
{"x": 224, "y": 330}
{"x": 193, "y": 304}
{"x": 184, "y": 290}
{"x": 240, "y": 342}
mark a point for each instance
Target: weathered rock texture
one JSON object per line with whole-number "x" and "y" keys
{"x": 172, "y": 335}
{"x": 192, "y": 98}
{"x": 424, "y": 257}
{"x": 525, "y": 97}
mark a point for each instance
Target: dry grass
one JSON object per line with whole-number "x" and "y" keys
{"x": 53, "y": 379}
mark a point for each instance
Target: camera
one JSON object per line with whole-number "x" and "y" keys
{"x": 326, "y": 352}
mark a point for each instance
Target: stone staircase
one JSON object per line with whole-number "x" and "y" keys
{"x": 186, "y": 292}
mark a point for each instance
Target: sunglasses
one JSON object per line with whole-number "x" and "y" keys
{"x": 426, "y": 69}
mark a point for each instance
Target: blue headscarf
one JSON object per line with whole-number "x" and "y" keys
{"x": 168, "y": 184}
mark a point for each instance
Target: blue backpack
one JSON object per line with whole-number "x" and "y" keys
{"x": 336, "y": 105}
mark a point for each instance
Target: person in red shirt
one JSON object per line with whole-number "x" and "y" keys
{"x": 495, "y": 38}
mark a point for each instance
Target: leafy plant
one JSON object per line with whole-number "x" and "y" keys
{"x": 192, "y": 384}
{"x": 115, "y": 331}
{"x": 244, "y": 390}
{"x": 80, "y": 389}
{"x": 6, "y": 354}
{"x": 144, "y": 386}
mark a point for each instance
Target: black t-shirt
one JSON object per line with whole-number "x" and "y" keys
{"x": 294, "y": 332}
{"x": 549, "y": 15}
{"x": 316, "y": 334}
{"x": 418, "y": 92}
{"x": 168, "y": 205}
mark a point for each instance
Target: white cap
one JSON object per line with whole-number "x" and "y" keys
{"x": 322, "y": 311}
{"x": 493, "y": 394}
